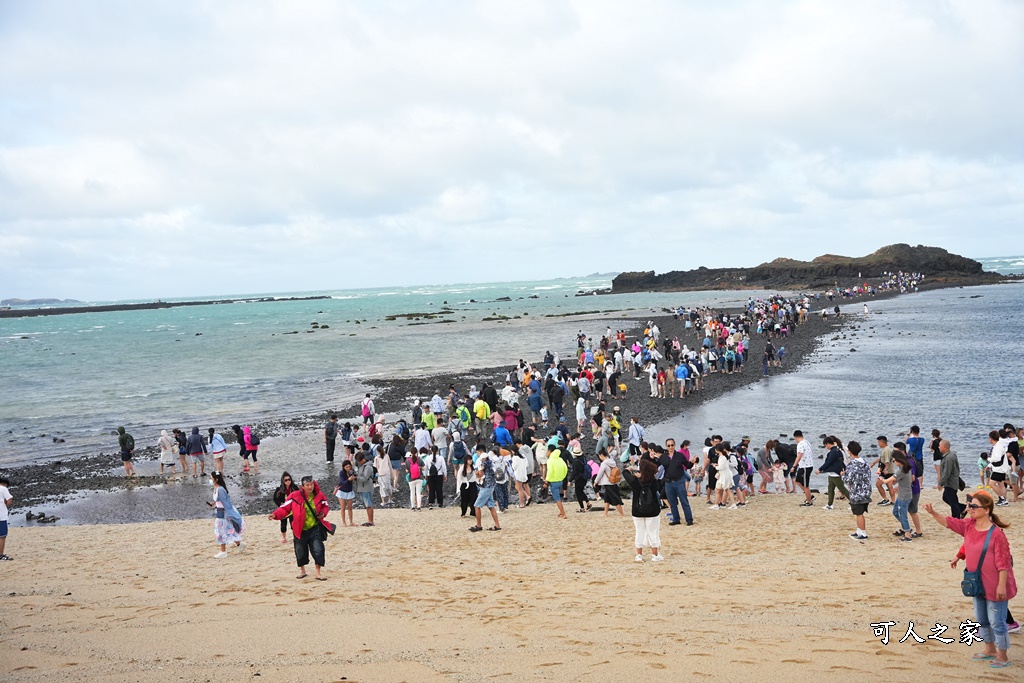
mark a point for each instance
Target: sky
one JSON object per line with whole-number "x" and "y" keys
{"x": 159, "y": 149}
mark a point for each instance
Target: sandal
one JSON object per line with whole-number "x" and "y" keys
{"x": 494, "y": 528}
{"x": 999, "y": 665}
{"x": 476, "y": 528}
{"x": 917, "y": 535}
{"x": 979, "y": 657}
{"x": 301, "y": 576}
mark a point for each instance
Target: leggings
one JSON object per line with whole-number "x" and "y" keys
{"x": 501, "y": 496}
{"x": 284, "y": 524}
{"x": 415, "y": 493}
{"x": 467, "y": 496}
{"x": 581, "y": 492}
{"x": 833, "y": 484}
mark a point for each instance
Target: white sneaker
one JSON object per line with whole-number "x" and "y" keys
{"x": 639, "y": 558}
{"x": 242, "y": 546}
{"x": 657, "y": 558}
{"x": 220, "y": 556}
{"x": 829, "y": 507}
{"x": 733, "y": 506}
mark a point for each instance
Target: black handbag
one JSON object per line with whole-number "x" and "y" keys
{"x": 971, "y": 585}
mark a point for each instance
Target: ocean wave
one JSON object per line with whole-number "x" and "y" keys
{"x": 137, "y": 395}
{"x": 546, "y": 287}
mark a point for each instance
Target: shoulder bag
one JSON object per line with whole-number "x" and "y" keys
{"x": 971, "y": 585}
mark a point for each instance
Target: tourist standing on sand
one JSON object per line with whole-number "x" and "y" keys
{"x": 833, "y": 467}
{"x": 228, "y": 524}
{"x": 646, "y": 509}
{"x": 167, "y": 445}
{"x": 197, "y": 453}
{"x": 281, "y": 494}
{"x": 218, "y": 449}
{"x": 987, "y": 550}
{"x": 521, "y": 475}
{"x": 345, "y": 492}
{"x": 465, "y": 479}
{"x": 677, "y": 475}
{"x": 857, "y": 477}
{"x": 557, "y": 470}
{"x": 331, "y": 436}
{"x": 382, "y": 463}
{"x": 949, "y": 479}
{"x": 485, "y": 477}
{"x": 437, "y": 475}
{"x": 308, "y": 509}
{"x": 414, "y": 475}
{"x": 6, "y": 502}
{"x": 126, "y": 442}
{"x": 607, "y": 482}
{"x": 364, "y": 482}
{"x": 903, "y": 480}
{"x": 804, "y": 467}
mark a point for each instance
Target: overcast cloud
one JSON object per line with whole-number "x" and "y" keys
{"x": 181, "y": 148}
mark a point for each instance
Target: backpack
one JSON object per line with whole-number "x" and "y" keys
{"x": 615, "y": 476}
{"x": 366, "y": 408}
{"x": 129, "y": 442}
{"x": 433, "y": 467}
{"x": 254, "y": 440}
{"x": 648, "y": 503}
{"x": 459, "y": 451}
{"x": 414, "y": 470}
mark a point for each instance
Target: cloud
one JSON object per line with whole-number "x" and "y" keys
{"x": 305, "y": 146}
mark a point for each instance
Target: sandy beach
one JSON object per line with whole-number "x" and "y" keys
{"x": 774, "y": 592}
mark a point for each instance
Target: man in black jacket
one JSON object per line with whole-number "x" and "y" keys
{"x": 833, "y": 467}
{"x": 677, "y": 474}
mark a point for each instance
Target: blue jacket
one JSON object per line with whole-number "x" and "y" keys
{"x": 833, "y": 462}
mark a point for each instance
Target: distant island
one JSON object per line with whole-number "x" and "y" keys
{"x": 36, "y": 302}
{"x": 940, "y": 268}
{"x": 105, "y": 308}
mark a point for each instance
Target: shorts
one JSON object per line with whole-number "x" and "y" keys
{"x": 803, "y": 476}
{"x": 219, "y": 454}
{"x": 366, "y": 497}
{"x": 859, "y": 508}
{"x": 735, "y": 481}
{"x": 198, "y": 457}
{"x": 126, "y": 456}
{"x": 912, "y": 508}
{"x": 998, "y": 476}
{"x": 556, "y": 490}
{"x": 485, "y": 497}
{"x": 346, "y": 495}
{"x": 3, "y": 529}
{"x": 720, "y": 485}
{"x": 396, "y": 465}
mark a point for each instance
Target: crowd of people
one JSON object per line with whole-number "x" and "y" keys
{"x": 549, "y": 431}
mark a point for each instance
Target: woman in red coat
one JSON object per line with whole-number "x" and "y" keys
{"x": 308, "y": 509}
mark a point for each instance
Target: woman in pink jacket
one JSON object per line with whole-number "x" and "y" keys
{"x": 252, "y": 444}
{"x": 308, "y": 508}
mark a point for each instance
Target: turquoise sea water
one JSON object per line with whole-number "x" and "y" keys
{"x": 78, "y": 377}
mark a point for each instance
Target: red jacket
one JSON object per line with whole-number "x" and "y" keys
{"x": 295, "y": 505}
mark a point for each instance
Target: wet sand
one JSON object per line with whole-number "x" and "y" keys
{"x": 774, "y": 592}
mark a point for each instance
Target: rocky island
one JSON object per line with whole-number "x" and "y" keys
{"x": 940, "y": 267}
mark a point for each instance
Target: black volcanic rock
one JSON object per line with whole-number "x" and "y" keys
{"x": 824, "y": 271}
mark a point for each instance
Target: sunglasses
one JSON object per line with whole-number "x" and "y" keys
{"x": 975, "y": 506}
